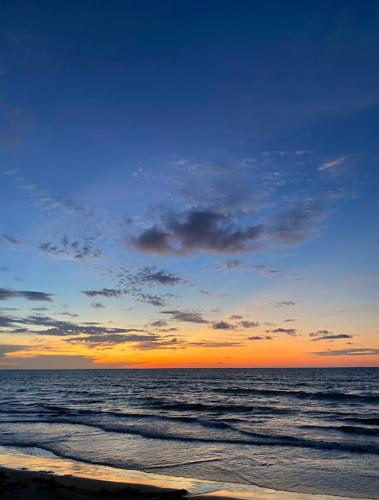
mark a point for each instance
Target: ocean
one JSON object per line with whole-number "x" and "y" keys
{"x": 304, "y": 430}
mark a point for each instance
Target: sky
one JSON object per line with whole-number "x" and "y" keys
{"x": 189, "y": 184}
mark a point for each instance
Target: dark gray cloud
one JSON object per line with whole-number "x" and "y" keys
{"x": 78, "y": 250}
{"x": 162, "y": 343}
{"x": 362, "y": 351}
{"x": 9, "y": 239}
{"x": 154, "y": 300}
{"x": 287, "y": 331}
{"x": 105, "y": 292}
{"x": 249, "y": 324}
{"x": 159, "y": 323}
{"x": 135, "y": 283}
{"x": 327, "y": 335}
{"x": 97, "y": 305}
{"x": 186, "y": 316}
{"x": 6, "y": 321}
{"x": 223, "y": 325}
{"x": 7, "y": 293}
{"x": 259, "y": 337}
{"x": 335, "y": 336}
{"x": 290, "y": 320}
{"x": 48, "y": 326}
{"x": 154, "y": 276}
{"x": 4, "y": 269}
{"x": 153, "y": 240}
{"x": 236, "y": 316}
{"x": 198, "y": 230}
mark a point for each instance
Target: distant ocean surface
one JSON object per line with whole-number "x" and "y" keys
{"x": 306, "y": 430}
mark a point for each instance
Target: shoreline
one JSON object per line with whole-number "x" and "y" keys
{"x": 40, "y": 478}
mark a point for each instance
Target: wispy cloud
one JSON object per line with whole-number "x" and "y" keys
{"x": 7, "y": 293}
{"x": 333, "y": 163}
{"x": 362, "y": 351}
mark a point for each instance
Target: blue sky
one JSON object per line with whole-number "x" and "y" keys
{"x": 213, "y": 159}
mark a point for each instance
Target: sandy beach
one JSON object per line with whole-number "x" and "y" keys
{"x": 30, "y": 477}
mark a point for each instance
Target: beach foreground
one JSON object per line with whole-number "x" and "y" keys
{"x": 32, "y": 477}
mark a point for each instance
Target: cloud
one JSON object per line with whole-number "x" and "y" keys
{"x": 333, "y": 337}
{"x": 154, "y": 300}
{"x": 7, "y": 293}
{"x": 223, "y": 325}
{"x": 284, "y": 303}
{"x": 9, "y": 239}
{"x": 331, "y": 164}
{"x": 259, "y": 337}
{"x": 327, "y": 335}
{"x": 197, "y": 230}
{"x": 233, "y": 263}
{"x": 53, "y": 362}
{"x": 6, "y": 348}
{"x": 153, "y": 276}
{"x": 6, "y": 321}
{"x": 287, "y": 331}
{"x": 214, "y": 344}
{"x": 97, "y": 305}
{"x": 77, "y": 250}
{"x": 364, "y": 351}
{"x": 186, "y": 316}
{"x": 105, "y": 292}
{"x": 172, "y": 343}
{"x": 296, "y": 224}
{"x": 159, "y": 323}
{"x": 114, "y": 339}
{"x": 52, "y": 327}
{"x": 249, "y": 324}
{"x": 153, "y": 240}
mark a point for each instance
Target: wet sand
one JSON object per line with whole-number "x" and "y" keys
{"x": 38, "y": 478}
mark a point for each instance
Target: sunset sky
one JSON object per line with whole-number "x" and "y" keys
{"x": 189, "y": 183}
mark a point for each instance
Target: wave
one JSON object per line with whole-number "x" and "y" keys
{"x": 318, "y": 395}
{"x": 215, "y": 407}
{"x": 348, "y": 429}
{"x": 250, "y": 439}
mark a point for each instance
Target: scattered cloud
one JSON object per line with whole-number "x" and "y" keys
{"x": 7, "y": 293}
{"x": 77, "y": 250}
{"x": 186, "y": 316}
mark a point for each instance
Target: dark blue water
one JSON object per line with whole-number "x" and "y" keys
{"x": 309, "y": 430}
